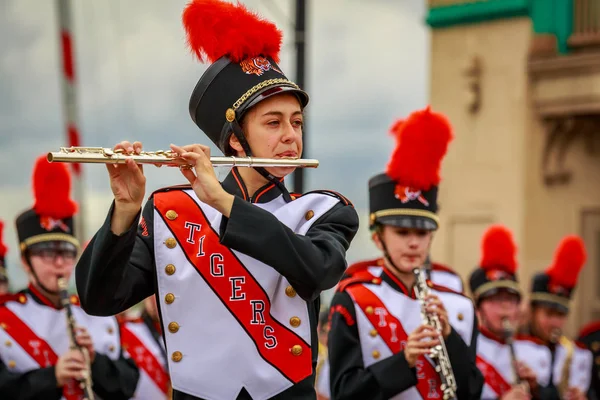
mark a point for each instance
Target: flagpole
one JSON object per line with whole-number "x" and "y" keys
{"x": 70, "y": 107}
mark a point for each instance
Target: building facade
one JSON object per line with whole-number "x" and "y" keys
{"x": 520, "y": 82}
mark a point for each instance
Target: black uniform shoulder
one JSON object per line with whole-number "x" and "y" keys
{"x": 331, "y": 193}
{"x": 171, "y": 188}
{"x": 362, "y": 276}
{"x": 590, "y": 330}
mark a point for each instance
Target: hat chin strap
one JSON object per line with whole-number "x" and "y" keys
{"x": 239, "y": 134}
{"x": 386, "y": 254}
{"x": 37, "y": 280}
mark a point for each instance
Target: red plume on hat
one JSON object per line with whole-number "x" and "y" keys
{"x": 498, "y": 250}
{"x": 217, "y": 28}
{"x": 421, "y": 144}
{"x": 569, "y": 259}
{"x": 3, "y": 248}
{"x": 52, "y": 190}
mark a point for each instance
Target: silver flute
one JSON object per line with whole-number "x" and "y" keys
{"x": 105, "y": 155}
{"x": 439, "y": 353}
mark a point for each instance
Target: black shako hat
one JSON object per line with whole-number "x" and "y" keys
{"x": 406, "y": 194}
{"x": 243, "y": 50}
{"x": 497, "y": 269}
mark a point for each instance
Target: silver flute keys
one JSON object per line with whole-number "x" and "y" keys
{"x": 439, "y": 353}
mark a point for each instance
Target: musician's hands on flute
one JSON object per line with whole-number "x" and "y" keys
{"x": 435, "y": 306}
{"x": 128, "y": 184}
{"x": 202, "y": 177}
{"x": 420, "y": 342}
{"x": 70, "y": 365}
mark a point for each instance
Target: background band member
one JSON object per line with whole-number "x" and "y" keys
{"x": 551, "y": 291}
{"x": 590, "y": 336}
{"x": 497, "y": 295}
{"x": 142, "y": 339}
{"x": 3, "y": 270}
{"x": 378, "y": 342}
{"x": 243, "y": 260}
{"x": 36, "y": 361}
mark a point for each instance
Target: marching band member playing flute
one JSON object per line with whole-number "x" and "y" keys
{"x": 36, "y": 362}
{"x": 379, "y": 346}
{"x": 496, "y": 293}
{"x": 237, "y": 266}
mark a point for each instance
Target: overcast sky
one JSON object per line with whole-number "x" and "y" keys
{"x": 368, "y": 64}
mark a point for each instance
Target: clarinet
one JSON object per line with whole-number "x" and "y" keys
{"x": 86, "y": 383}
{"x": 507, "y": 331}
{"x": 439, "y": 354}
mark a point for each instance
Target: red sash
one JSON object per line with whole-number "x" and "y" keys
{"x": 144, "y": 359}
{"x": 273, "y": 340}
{"x": 394, "y": 336}
{"x": 492, "y": 377}
{"x": 36, "y": 347}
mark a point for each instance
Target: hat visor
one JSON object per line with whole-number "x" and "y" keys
{"x": 493, "y": 291}
{"x": 552, "y": 305}
{"x": 53, "y": 245}
{"x": 274, "y": 90}
{"x": 409, "y": 222}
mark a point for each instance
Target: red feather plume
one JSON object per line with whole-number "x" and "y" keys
{"x": 3, "y": 248}
{"x": 569, "y": 258}
{"x": 216, "y": 28}
{"x": 421, "y": 143}
{"x": 52, "y": 190}
{"x": 498, "y": 250}
{"x": 396, "y": 126}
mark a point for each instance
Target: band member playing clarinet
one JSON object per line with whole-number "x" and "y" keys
{"x": 37, "y": 361}
{"x": 238, "y": 266}
{"x": 569, "y": 373}
{"x": 507, "y": 361}
{"x": 379, "y": 344}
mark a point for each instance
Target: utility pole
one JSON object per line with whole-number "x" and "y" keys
{"x": 300, "y": 39}
{"x": 70, "y": 109}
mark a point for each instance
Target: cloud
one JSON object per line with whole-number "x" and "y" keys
{"x": 367, "y": 65}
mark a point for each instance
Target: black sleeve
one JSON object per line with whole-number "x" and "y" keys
{"x": 312, "y": 263}
{"x": 115, "y": 272}
{"x": 37, "y": 384}
{"x": 349, "y": 379}
{"x": 114, "y": 379}
{"x": 549, "y": 392}
{"x": 469, "y": 380}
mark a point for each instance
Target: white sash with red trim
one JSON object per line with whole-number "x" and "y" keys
{"x": 232, "y": 324}
{"x": 494, "y": 362}
{"x": 140, "y": 345}
{"x": 581, "y": 367}
{"x": 33, "y": 335}
{"x": 394, "y": 316}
